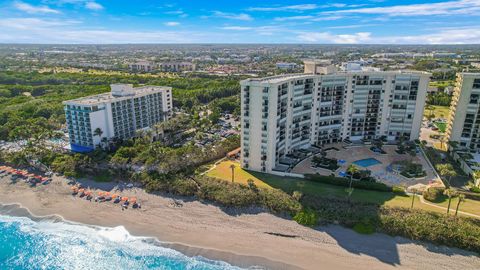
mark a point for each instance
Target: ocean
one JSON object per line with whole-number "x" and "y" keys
{"x": 45, "y": 244}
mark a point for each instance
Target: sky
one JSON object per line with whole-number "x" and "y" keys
{"x": 240, "y": 21}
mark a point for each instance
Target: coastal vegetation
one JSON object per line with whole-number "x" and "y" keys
{"x": 30, "y": 108}
{"x": 31, "y": 102}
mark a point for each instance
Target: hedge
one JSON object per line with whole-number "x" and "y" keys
{"x": 345, "y": 182}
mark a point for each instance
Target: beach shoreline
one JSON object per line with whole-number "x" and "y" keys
{"x": 241, "y": 239}
{"x": 17, "y": 210}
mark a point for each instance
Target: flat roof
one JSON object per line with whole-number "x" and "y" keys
{"x": 109, "y": 98}
{"x": 281, "y": 78}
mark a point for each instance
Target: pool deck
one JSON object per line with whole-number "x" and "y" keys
{"x": 379, "y": 171}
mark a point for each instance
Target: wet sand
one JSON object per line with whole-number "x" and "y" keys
{"x": 244, "y": 238}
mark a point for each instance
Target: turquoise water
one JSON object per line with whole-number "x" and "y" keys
{"x": 26, "y": 244}
{"x": 367, "y": 162}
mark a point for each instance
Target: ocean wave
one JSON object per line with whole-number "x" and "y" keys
{"x": 51, "y": 243}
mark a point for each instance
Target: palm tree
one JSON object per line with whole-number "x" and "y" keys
{"x": 461, "y": 198}
{"x": 414, "y": 191}
{"x": 476, "y": 178}
{"x": 352, "y": 169}
{"x": 233, "y": 172}
{"x": 446, "y": 170}
{"x": 98, "y": 132}
{"x": 450, "y": 193}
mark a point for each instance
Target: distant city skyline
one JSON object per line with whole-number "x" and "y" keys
{"x": 270, "y": 21}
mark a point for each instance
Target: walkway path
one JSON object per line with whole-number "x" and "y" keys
{"x": 441, "y": 207}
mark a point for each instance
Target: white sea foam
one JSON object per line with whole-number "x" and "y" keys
{"x": 65, "y": 245}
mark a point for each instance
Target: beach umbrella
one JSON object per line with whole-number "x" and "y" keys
{"x": 106, "y": 194}
{"x": 100, "y": 193}
{"x": 124, "y": 199}
{"x": 115, "y": 196}
{"x": 133, "y": 200}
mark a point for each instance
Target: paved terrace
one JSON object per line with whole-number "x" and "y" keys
{"x": 379, "y": 171}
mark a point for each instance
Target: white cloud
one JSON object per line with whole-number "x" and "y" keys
{"x": 172, "y": 23}
{"x": 33, "y": 23}
{"x": 465, "y": 35}
{"x": 293, "y": 18}
{"x": 35, "y": 30}
{"x": 237, "y": 28}
{"x": 179, "y": 12}
{"x": 439, "y": 8}
{"x": 327, "y": 37}
{"x": 34, "y": 9}
{"x": 93, "y": 6}
{"x": 303, "y": 7}
{"x": 327, "y": 18}
{"x": 351, "y": 26}
{"x": 446, "y": 36}
{"x": 286, "y": 8}
{"x": 232, "y": 16}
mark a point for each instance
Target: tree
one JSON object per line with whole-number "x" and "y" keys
{"x": 98, "y": 132}
{"x": 232, "y": 167}
{"x": 461, "y": 198}
{"x": 352, "y": 169}
{"x": 453, "y": 144}
{"x": 378, "y": 143}
{"x": 450, "y": 193}
{"x": 446, "y": 170}
{"x": 251, "y": 184}
{"x": 476, "y": 178}
{"x": 414, "y": 191}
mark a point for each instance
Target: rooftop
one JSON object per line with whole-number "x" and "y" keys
{"x": 118, "y": 92}
{"x": 281, "y": 78}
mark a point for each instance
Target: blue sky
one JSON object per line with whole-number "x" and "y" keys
{"x": 246, "y": 21}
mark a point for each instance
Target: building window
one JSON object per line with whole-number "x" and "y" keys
{"x": 473, "y": 99}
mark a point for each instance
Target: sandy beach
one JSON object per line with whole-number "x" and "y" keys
{"x": 245, "y": 239}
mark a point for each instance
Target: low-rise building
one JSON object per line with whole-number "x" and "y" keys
{"x": 176, "y": 66}
{"x": 142, "y": 65}
{"x": 94, "y": 120}
{"x": 287, "y": 66}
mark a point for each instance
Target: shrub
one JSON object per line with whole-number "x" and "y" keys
{"x": 344, "y": 182}
{"x": 433, "y": 193}
{"x": 364, "y": 227}
{"x": 415, "y": 224}
{"x": 398, "y": 190}
{"x": 475, "y": 189}
{"x": 428, "y": 226}
{"x": 307, "y": 217}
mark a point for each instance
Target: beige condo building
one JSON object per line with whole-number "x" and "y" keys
{"x": 283, "y": 113}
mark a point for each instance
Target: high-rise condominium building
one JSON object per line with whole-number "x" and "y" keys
{"x": 464, "y": 120}
{"x": 117, "y": 114}
{"x": 284, "y": 113}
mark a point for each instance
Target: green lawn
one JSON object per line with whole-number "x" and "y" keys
{"x": 290, "y": 184}
{"x": 441, "y": 126}
{"x": 437, "y": 111}
{"x": 442, "y": 83}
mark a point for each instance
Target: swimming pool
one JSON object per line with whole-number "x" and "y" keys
{"x": 367, "y": 162}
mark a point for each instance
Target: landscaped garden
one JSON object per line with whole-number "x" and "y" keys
{"x": 442, "y": 126}
{"x": 409, "y": 169}
{"x": 323, "y": 162}
{"x": 329, "y": 187}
